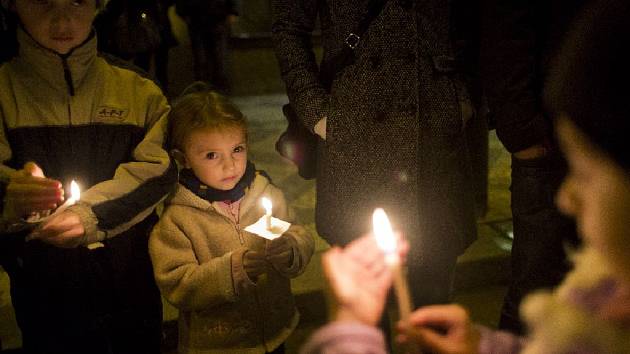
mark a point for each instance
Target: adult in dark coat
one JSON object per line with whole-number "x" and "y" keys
{"x": 209, "y": 24}
{"x": 394, "y": 128}
{"x": 519, "y": 42}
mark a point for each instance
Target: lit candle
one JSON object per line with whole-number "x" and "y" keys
{"x": 388, "y": 244}
{"x": 268, "y": 208}
{"x": 75, "y": 195}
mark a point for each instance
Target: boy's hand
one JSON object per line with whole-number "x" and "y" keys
{"x": 279, "y": 252}
{"x": 254, "y": 264}
{"x": 445, "y": 329}
{"x": 29, "y": 192}
{"x": 64, "y": 230}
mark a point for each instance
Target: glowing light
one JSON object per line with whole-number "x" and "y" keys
{"x": 384, "y": 234}
{"x": 75, "y": 191}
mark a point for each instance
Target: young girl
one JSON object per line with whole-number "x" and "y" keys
{"x": 232, "y": 287}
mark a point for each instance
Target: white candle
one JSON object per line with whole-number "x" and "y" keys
{"x": 266, "y": 202}
{"x": 388, "y": 244}
{"x": 75, "y": 195}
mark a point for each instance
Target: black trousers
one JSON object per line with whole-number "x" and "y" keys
{"x": 541, "y": 233}
{"x": 86, "y": 301}
{"x": 209, "y": 42}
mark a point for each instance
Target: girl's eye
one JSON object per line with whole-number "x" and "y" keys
{"x": 239, "y": 148}
{"x": 211, "y": 155}
{"x": 78, "y": 3}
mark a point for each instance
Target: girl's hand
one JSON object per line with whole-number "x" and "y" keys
{"x": 279, "y": 252}
{"x": 254, "y": 264}
{"x": 63, "y": 230}
{"x": 359, "y": 279}
{"x": 29, "y": 192}
{"x": 445, "y": 329}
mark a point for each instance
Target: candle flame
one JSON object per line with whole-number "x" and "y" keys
{"x": 75, "y": 191}
{"x": 267, "y": 205}
{"x": 383, "y": 232}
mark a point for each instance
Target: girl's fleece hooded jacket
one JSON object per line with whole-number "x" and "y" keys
{"x": 197, "y": 252}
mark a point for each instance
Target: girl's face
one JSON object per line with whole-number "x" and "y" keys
{"x": 60, "y": 25}
{"x": 218, "y": 158}
{"x": 596, "y": 192}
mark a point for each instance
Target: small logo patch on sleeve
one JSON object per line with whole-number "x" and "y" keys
{"x": 106, "y": 113}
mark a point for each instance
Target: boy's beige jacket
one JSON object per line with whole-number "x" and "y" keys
{"x": 197, "y": 256}
{"x": 80, "y": 116}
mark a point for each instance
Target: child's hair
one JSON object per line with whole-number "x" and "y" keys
{"x": 202, "y": 108}
{"x": 590, "y": 81}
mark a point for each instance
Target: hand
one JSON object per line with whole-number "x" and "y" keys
{"x": 532, "y": 152}
{"x": 359, "y": 279}
{"x": 29, "y": 192}
{"x": 279, "y": 252}
{"x": 63, "y": 230}
{"x": 320, "y": 128}
{"x": 231, "y": 20}
{"x": 445, "y": 329}
{"x": 254, "y": 264}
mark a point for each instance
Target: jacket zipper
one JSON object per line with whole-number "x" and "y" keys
{"x": 237, "y": 227}
{"x": 67, "y": 74}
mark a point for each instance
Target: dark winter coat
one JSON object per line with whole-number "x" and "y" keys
{"x": 394, "y": 122}
{"x": 519, "y": 42}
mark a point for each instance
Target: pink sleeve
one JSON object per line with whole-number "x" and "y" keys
{"x": 499, "y": 342}
{"x": 345, "y": 338}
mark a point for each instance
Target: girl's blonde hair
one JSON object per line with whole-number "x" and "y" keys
{"x": 205, "y": 109}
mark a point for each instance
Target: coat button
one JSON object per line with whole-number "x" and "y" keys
{"x": 408, "y": 56}
{"x": 375, "y": 61}
{"x": 380, "y": 116}
{"x": 405, "y": 4}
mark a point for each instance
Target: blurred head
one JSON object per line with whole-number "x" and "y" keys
{"x": 208, "y": 134}
{"x": 588, "y": 93}
{"x": 59, "y": 25}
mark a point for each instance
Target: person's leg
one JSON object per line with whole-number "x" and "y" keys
{"x": 199, "y": 44}
{"x": 540, "y": 233}
{"x": 217, "y": 56}
{"x": 161, "y": 66}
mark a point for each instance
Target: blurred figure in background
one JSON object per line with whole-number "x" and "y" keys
{"x": 519, "y": 41}
{"x": 7, "y": 35}
{"x": 209, "y": 24}
{"x": 138, "y": 31}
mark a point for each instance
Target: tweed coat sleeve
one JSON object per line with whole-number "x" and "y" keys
{"x": 511, "y": 72}
{"x": 293, "y": 23}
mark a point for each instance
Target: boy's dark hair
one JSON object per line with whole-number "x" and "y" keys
{"x": 590, "y": 81}
{"x": 202, "y": 108}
